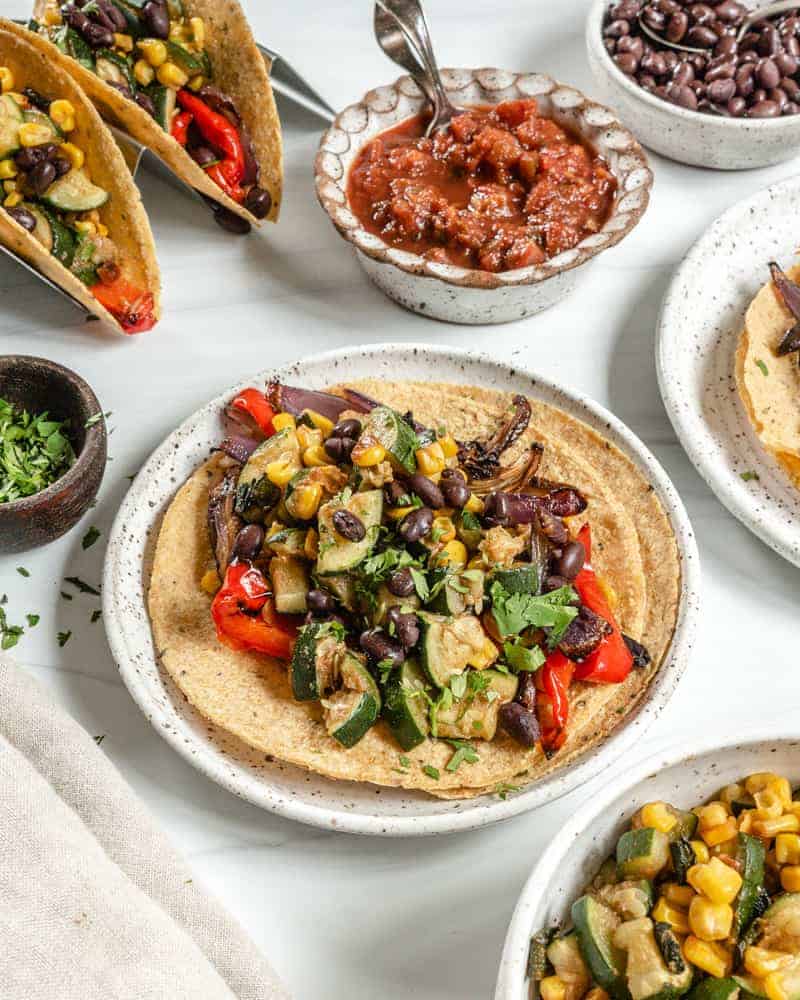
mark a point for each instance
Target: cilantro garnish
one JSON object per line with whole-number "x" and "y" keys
{"x": 405, "y": 761}
{"x": 469, "y": 522}
{"x": 520, "y": 657}
{"x": 34, "y": 452}
{"x": 83, "y": 587}
{"x": 96, "y": 418}
{"x": 90, "y": 537}
{"x": 22, "y": 571}
{"x": 32, "y": 620}
{"x": 513, "y": 613}
{"x": 420, "y": 583}
{"x": 762, "y": 366}
{"x": 431, "y": 771}
{"x": 63, "y": 638}
{"x": 385, "y": 667}
{"x": 748, "y": 476}
{"x": 502, "y": 790}
{"x": 96, "y": 616}
{"x": 458, "y": 685}
{"x": 9, "y": 634}
{"x": 464, "y": 752}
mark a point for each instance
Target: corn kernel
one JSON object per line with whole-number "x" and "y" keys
{"x": 773, "y": 987}
{"x": 87, "y": 228}
{"x": 398, "y": 513}
{"x": 474, "y": 505}
{"x": 708, "y": 956}
{"x": 772, "y": 827}
{"x": 769, "y": 805}
{"x": 610, "y": 594}
{"x": 12, "y": 200}
{"x": 62, "y": 112}
{"x": 449, "y": 446}
{"x": 123, "y": 41}
{"x": 678, "y": 895}
{"x": 315, "y": 455}
{"x": 701, "y": 852}
{"x": 596, "y": 993}
{"x": 790, "y": 878}
{"x": 9, "y": 186}
{"x": 210, "y": 582}
{"x": 33, "y": 134}
{"x": 177, "y": 32}
{"x": 311, "y": 544}
{"x": 714, "y": 814}
{"x": 170, "y": 75}
{"x": 320, "y": 422}
{"x": 306, "y": 500}
{"x": 430, "y": 459}
{"x": 309, "y": 437}
{"x": 154, "y": 51}
{"x": 719, "y": 834}
{"x": 710, "y": 921}
{"x": 196, "y": 82}
{"x": 6, "y": 79}
{"x": 657, "y": 816}
{"x": 760, "y": 962}
{"x": 280, "y": 472}
{"x": 102, "y": 230}
{"x": 453, "y": 554}
{"x": 283, "y": 420}
{"x": 716, "y": 880}
{"x": 787, "y": 849}
{"x": 746, "y": 821}
{"x": 373, "y": 455}
{"x": 782, "y": 788}
{"x": 74, "y": 154}
{"x": 755, "y": 782}
{"x": 143, "y": 72}
{"x": 552, "y": 988}
{"x": 443, "y": 529}
{"x": 485, "y": 656}
{"x": 52, "y": 17}
{"x": 663, "y": 913}
{"x": 198, "y": 31}
{"x": 8, "y": 169}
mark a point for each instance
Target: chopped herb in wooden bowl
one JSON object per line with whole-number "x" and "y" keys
{"x": 35, "y": 451}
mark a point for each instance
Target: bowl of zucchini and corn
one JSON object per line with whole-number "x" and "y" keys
{"x": 678, "y": 879}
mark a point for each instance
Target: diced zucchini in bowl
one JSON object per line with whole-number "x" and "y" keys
{"x": 629, "y": 899}
{"x": 564, "y": 954}
{"x": 595, "y": 925}
{"x": 642, "y": 853}
{"x": 647, "y": 974}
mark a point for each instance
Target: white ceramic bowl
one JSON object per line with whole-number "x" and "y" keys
{"x": 341, "y": 805}
{"x": 463, "y": 295}
{"x": 693, "y": 137}
{"x": 574, "y": 856}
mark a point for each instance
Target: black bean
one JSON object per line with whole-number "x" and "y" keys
{"x": 526, "y": 691}
{"x": 98, "y": 36}
{"x": 631, "y": 44}
{"x": 114, "y": 15}
{"x": 572, "y": 559}
{"x": 627, "y": 62}
{"x": 340, "y": 448}
{"x": 230, "y": 221}
{"x": 456, "y": 492}
{"x": 62, "y": 165}
{"x": 791, "y": 108}
{"x": 145, "y": 102}
{"x": 156, "y": 18}
{"x": 454, "y": 474}
{"x": 406, "y": 627}
{"x": 721, "y": 91}
{"x": 349, "y": 526}
{"x": 730, "y": 11}
{"x": 401, "y": 583}
{"x": 350, "y": 428}
{"x": 23, "y": 217}
{"x": 770, "y": 41}
{"x": 786, "y": 63}
{"x": 248, "y": 543}
{"x": 552, "y": 527}
{"x": 258, "y": 201}
{"x": 320, "y": 601}
{"x": 678, "y": 26}
{"x": 378, "y": 645}
{"x": 41, "y": 177}
{"x": 701, "y": 37}
{"x": 790, "y": 87}
{"x": 764, "y": 109}
{"x": 778, "y": 96}
{"x": 616, "y": 29}
{"x": 394, "y": 492}
{"x": 416, "y": 524}
{"x": 37, "y": 99}
{"x": 641, "y": 657}
{"x": 520, "y": 723}
{"x": 496, "y": 508}
{"x": 427, "y": 490}
{"x": 737, "y": 106}
{"x": 768, "y": 74}
{"x": 720, "y": 69}
{"x": 683, "y": 74}
{"x": 27, "y": 157}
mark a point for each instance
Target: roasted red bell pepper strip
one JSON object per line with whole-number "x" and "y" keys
{"x": 256, "y": 406}
{"x": 129, "y": 305}
{"x": 612, "y": 661}
{"x": 245, "y": 617}
{"x": 180, "y": 126}
{"x": 223, "y": 135}
{"x": 552, "y": 700}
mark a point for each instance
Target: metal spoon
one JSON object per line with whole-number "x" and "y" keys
{"x": 402, "y": 32}
{"x": 759, "y": 14}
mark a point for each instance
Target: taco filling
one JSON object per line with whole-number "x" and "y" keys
{"x": 49, "y": 191}
{"x": 404, "y": 575}
{"x": 155, "y": 55}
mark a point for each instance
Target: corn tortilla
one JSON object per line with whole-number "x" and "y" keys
{"x": 771, "y": 394}
{"x": 30, "y": 59}
{"x": 239, "y": 70}
{"x": 250, "y": 696}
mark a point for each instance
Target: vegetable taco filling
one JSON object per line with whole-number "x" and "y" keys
{"x": 65, "y": 184}
{"x": 421, "y": 591}
{"x": 703, "y": 902}
{"x": 156, "y": 55}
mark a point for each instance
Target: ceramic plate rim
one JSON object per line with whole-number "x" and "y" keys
{"x": 784, "y": 540}
{"x": 513, "y": 961}
{"x": 476, "y": 368}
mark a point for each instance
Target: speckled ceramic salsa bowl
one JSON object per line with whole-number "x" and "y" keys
{"x": 574, "y": 856}
{"x": 464, "y": 295}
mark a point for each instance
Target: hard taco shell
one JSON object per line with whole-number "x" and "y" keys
{"x": 31, "y": 61}
{"x": 250, "y": 697}
{"x": 239, "y": 70}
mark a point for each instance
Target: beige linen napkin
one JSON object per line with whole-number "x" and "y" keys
{"x": 94, "y": 902}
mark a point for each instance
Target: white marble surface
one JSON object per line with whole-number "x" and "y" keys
{"x": 339, "y": 916}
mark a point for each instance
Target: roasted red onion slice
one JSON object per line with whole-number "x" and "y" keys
{"x": 239, "y": 447}
{"x": 290, "y": 399}
{"x": 788, "y": 290}
{"x": 521, "y": 508}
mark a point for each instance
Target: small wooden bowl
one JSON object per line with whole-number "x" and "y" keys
{"x": 37, "y": 385}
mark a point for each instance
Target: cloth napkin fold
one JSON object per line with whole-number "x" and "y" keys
{"x": 95, "y": 904}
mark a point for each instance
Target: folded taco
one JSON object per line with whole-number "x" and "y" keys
{"x": 767, "y": 371}
{"x": 429, "y": 586}
{"x": 184, "y": 78}
{"x": 69, "y": 205}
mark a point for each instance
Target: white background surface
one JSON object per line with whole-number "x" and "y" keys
{"x": 351, "y": 917}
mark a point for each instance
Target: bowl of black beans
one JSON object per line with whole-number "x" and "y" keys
{"x": 696, "y": 82}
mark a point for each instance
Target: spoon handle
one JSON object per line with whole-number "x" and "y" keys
{"x": 400, "y": 48}
{"x": 770, "y": 10}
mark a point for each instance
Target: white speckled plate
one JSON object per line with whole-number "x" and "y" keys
{"x": 286, "y": 790}
{"x": 573, "y": 858}
{"x": 701, "y": 319}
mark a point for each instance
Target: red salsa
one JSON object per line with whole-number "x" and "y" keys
{"x": 500, "y": 188}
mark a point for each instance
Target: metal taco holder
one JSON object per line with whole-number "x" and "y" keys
{"x": 286, "y": 82}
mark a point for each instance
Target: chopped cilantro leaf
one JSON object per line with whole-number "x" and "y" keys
{"x": 22, "y": 571}
{"x": 420, "y": 584}
{"x": 405, "y": 761}
{"x": 34, "y": 452}
{"x": 63, "y": 638}
{"x": 469, "y": 522}
{"x": 385, "y": 667}
{"x": 96, "y": 418}
{"x": 83, "y": 587}
{"x": 9, "y": 634}
{"x": 502, "y": 790}
{"x": 431, "y": 771}
{"x": 32, "y": 620}
{"x": 513, "y": 613}
{"x": 458, "y": 685}
{"x": 96, "y": 616}
{"x": 90, "y": 537}
{"x": 464, "y": 752}
{"x": 762, "y": 366}
{"x": 748, "y": 476}
{"x": 520, "y": 657}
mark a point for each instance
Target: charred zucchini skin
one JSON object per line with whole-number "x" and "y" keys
{"x": 303, "y": 668}
{"x": 366, "y": 711}
{"x": 683, "y": 857}
{"x": 639, "y": 852}
{"x": 715, "y": 989}
{"x": 670, "y": 948}
{"x": 752, "y": 856}
{"x": 594, "y": 924}
{"x": 522, "y": 579}
{"x": 407, "y": 716}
